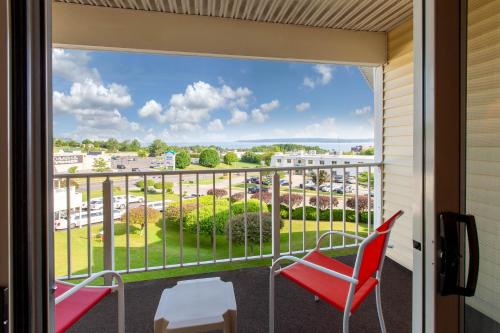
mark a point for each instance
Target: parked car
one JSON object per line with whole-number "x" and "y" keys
{"x": 266, "y": 181}
{"x": 284, "y": 182}
{"x": 96, "y": 204}
{"x": 256, "y": 189}
{"x": 309, "y": 185}
{"x": 253, "y": 180}
{"x": 121, "y": 166}
{"x": 81, "y": 219}
{"x": 135, "y": 169}
{"x": 131, "y": 198}
{"x": 158, "y": 205}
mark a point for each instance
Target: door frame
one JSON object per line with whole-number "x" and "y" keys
{"x": 438, "y": 152}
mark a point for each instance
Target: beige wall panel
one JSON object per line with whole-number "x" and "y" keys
{"x": 397, "y": 184}
{"x": 483, "y": 147}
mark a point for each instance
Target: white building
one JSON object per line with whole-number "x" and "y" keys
{"x": 312, "y": 159}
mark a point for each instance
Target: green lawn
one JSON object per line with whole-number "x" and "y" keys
{"x": 155, "y": 250}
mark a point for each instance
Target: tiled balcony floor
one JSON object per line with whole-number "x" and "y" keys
{"x": 296, "y": 309}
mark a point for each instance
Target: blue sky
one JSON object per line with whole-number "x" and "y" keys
{"x": 204, "y": 99}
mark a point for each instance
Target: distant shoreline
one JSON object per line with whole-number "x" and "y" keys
{"x": 303, "y": 140}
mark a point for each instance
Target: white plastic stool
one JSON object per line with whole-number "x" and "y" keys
{"x": 198, "y": 305}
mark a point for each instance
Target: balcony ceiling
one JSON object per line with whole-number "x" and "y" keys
{"x": 361, "y": 15}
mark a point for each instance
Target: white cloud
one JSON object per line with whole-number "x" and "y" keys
{"x": 362, "y": 111}
{"x": 261, "y": 114}
{"x": 196, "y": 104}
{"x": 215, "y": 125}
{"x": 324, "y": 74}
{"x": 237, "y": 117}
{"x": 267, "y": 107}
{"x": 73, "y": 66}
{"x": 301, "y": 107}
{"x": 308, "y": 82}
{"x": 152, "y": 109}
{"x": 325, "y": 71}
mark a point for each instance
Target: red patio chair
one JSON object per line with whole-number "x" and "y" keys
{"x": 74, "y": 301}
{"x": 342, "y": 286}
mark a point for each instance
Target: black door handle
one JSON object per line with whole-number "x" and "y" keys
{"x": 450, "y": 254}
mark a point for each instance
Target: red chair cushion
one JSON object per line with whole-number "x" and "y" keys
{"x": 331, "y": 289}
{"x": 77, "y": 305}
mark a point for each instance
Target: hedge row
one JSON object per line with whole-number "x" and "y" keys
{"x": 324, "y": 215}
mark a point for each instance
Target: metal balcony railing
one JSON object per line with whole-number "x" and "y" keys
{"x": 104, "y": 204}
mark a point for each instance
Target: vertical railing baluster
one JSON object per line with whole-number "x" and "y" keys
{"x": 260, "y": 213}
{"x": 68, "y": 226}
{"x": 344, "y": 205}
{"x": 304, "y": 210}
{"x": 89, "y": 231}
{"x": 356, "y": 198}
{"x": 317, "y": 204}
{"x": 127, "y": 224}
{"x": 230, "y": 231}
{"x": 290, "y": 211}
{"x": 108, "y": 229}
{"x": 181, "y": 224}
{"x": 146, "y": 222}
{"x": 163, "y": 222}
{"x": 276, "y": 217}
{"x": 331, "y": 206}
{"x": 214, "y": 221}
{"x": 198, "y": 218}
{"x": 245, "y": 218}
{"x": 369, "y": 199}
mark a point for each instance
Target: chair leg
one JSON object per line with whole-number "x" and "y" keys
{"x": 345, "y": 326}
{"x": 271, "y": 301}
{"x": 379, "y": 309}
{"x": 121, "y": 307}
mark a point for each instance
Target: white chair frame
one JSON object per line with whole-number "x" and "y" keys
{"x": 353, "y": 280}
{"x": 118, "y": 288}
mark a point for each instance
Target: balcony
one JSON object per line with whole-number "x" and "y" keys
{"x": 117, "y": 225}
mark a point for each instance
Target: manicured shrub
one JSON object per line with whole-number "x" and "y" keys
{"x": 172, "y": 213}
{"x": 140, "y": 183}
{"x": 266, "y": 197}
{"x": 362, "y": 203}
{"x": 136, "y": 216}
{"x": 324, "y": 215}
{"x": 295, "y": 199}
{"x": 237, "y": 196}
{"x": 253, "y": 229}
{"x": 324, "y": 202}
{"x": 206, "y": 217}
{"x": 218, "y": 192}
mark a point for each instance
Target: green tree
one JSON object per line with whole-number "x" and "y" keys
{"x": 100, "y": 165}
{"x": 367, "y": 151}
{"x": 209, "y": 158}
{"x": 112, "y": 145}
{"x": 323, "y": 177}
{"x": 86, "y": 142}
{"x": 136, "y": 216}
{"x": 230, "y": 158}
{"x": 267, "y": 156}
{"x": 251, "y": 157}
{"x": 135, "y": 145}
{"x": 182, "y": 159}
{"x": 72, "y": 169}
{"x": 157, "y": 147}
{"x": 142, "y": 153}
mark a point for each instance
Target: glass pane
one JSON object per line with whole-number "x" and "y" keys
{"x": 482, "y": 312}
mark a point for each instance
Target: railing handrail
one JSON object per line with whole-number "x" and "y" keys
{"x": 212, "y": 171}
